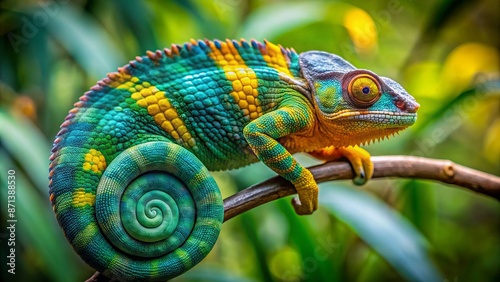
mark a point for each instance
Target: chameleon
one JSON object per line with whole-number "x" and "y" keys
{"x": 129, "y": 178}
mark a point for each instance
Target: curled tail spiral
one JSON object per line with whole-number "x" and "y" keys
{"x": 158, "y": 212}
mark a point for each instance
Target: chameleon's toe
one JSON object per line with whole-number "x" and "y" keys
{"x": 361, "y": 163}
{"x": 307, "y": 202}
{"x": 301, "y": 209}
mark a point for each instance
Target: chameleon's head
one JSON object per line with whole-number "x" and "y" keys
{"x": 355, "y": 105}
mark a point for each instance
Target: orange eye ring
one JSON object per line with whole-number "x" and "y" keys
{"x": 363, "y": 90}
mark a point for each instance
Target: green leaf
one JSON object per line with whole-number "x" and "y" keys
{"x": 205, "y": 274}
{"x": 136, "y": 17}
{"x": 36, "y": 228}
{"x": 85, "y": 40}
{"x": 387, "y": 232}
{"x": 308, "y": 249}
{"x": 275, "y": 19}
{"x": 28, "y": 146}
{"x": 476, "y": 92}
{"x": 251, "y": 227}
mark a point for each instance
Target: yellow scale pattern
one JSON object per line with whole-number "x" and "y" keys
{"x": 82, "y": 198}
{"x": 159, "y": 107}
{"x": 95, "y": 161}
{"x": 274, "y": 58}
{"x": 242, "y": 77}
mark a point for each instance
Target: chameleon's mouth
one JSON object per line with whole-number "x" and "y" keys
{"x": 363, "y": 126}
{"x": 381, "y": 119}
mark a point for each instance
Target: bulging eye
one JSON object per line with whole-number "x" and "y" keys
{"x": 363, "y": 90}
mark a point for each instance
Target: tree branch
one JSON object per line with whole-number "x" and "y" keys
{"x": 385, "y": 166}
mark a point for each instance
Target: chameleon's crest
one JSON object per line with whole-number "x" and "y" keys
{"x": 274, "y": 55}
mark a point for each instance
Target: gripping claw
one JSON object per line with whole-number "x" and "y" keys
{"x": 307, "y": 189}
{"x": 360, "y": 162}
{"x": 359, "y": 159}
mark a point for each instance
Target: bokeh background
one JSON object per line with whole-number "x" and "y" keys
{"x": 445, "y": 53}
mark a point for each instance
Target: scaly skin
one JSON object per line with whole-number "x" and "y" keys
{"x": 129, "y": 180}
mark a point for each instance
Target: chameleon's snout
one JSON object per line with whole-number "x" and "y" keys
{"x": 412, "y": 107}
{"x": 416, "y": 107}
{"x": 408, "y": 106}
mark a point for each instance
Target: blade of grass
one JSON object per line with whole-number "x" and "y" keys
{"x": 442, "y": 13}
{"x": 275, "y": 19}
{"x": 453, "y": 106}
{"x": 250, "y": 227}
{"x": 387, "y": 232}
{"x": 36, "y": 227}
{"x": 28, "y": 147}
{"x": 85, "y": 40}
{"x": 203, "y": 274}
{"x": 136, "y": 17}
{"x": 315, "y": 265}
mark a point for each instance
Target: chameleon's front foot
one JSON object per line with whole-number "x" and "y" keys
{"x": 360, "y": 162}
{"x": 307, "y": 189}
{"x": 358, "y": 157}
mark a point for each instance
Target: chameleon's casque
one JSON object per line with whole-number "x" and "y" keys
{"x": 129, "y": 180}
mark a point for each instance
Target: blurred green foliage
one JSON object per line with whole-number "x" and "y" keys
{"x": 446, "y": 53}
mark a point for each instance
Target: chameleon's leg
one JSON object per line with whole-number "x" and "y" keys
{"x": 261, "y": 135}
{"x": 358, "y": 157}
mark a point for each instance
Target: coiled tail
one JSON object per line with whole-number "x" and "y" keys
{"x": 158, "y": 212}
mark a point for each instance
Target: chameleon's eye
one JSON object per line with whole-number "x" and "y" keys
{"x": 364, "y": 90}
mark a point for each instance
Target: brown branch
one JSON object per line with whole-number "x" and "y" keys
{"x": 99, "y": 277}
{"x": 385, "y": 166}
